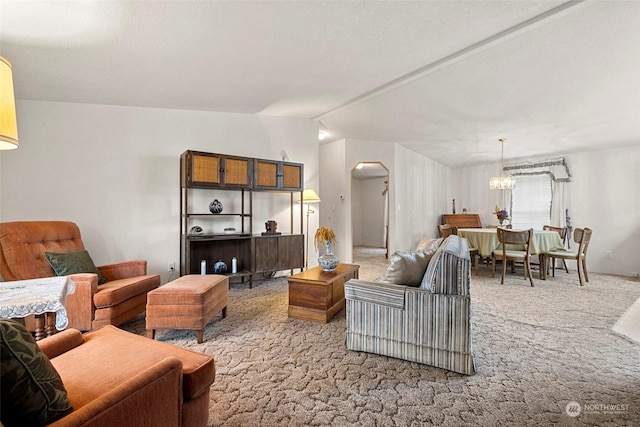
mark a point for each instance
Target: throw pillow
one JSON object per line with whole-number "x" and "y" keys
{"x": 429, "y": 243}
{"x": 407, "y": 268}
{"x": 65, "y": 264}
{"x": 32, "y": 392}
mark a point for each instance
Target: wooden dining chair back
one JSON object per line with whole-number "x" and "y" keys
{"x": 515, "y": 246}
{"x": 562, "y": 231}
{"x": 447, "y": 230}
{"x": 582, "y": 236}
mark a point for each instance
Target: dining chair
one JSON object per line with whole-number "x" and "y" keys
{"x": 520, "y": 238}
{"x": 507, "y": 226}
{"x": 447, "y": 230}
{"x": 562, "y": 231}
{"x": 581, "y": 236}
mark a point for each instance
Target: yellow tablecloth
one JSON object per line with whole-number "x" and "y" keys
{"x": 486, "y": 240}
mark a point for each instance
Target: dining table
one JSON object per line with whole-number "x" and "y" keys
{"x": 486, "y": 241}
{"x": 45, "y": 298}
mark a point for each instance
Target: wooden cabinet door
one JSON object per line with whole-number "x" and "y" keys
{"x": 216, "y": 170}
{"x": 266, "y": 253}
{"x": 290, "y": 252}
{"x": 276, "y": 175}
{"x": 236, "y": 171}
{"x": 203, "y": 169}
{"x": 291, "y": 175}
{"x": 267, "y": 174}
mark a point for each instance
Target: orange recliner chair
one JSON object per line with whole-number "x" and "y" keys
{"x": 124, "y": 295}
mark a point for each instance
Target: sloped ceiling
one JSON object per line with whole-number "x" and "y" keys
{"x": 443, "y": 78}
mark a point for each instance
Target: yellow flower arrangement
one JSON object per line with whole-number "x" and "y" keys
{"x": 322, "y": 236}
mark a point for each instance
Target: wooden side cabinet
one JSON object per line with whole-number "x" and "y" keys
{"x": 278, "y": 252}
{"x": 318, "y": 295}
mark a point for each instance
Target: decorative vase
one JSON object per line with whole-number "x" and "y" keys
{"x": 219, "y": 267}
{"x": 215, "y": 207}
{"x": 328, "y": 261}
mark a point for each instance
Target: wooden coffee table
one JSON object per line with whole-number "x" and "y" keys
{"x": 318, "y": 295}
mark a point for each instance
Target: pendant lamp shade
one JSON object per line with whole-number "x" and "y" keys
{"x": 8, "y": 123}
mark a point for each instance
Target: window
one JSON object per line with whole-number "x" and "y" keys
{"x": 531, "y": 202}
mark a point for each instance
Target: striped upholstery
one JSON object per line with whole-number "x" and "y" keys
{"x": 416, "y": 324}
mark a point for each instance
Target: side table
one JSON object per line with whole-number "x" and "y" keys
{"x": 45, "y": 298}
{"x": 318, "y": 295}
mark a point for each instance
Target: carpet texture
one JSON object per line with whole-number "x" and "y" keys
{"x": 541, "y": 354}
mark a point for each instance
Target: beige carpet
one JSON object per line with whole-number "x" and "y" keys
{"x": 536, "y": 350}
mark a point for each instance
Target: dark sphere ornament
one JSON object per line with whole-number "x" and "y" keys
{"x": 215, "y": 207}
{"x": 219, "y": 267}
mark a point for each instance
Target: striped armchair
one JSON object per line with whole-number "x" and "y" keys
{"x": 428, "y": 324}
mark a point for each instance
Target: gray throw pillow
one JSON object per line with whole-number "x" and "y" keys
{"x": 407, "y": 267}
{"x": 429, "y": 243}
{"x": 65, "y": 264}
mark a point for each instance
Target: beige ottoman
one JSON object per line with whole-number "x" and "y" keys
{"x": 188, "y": 302}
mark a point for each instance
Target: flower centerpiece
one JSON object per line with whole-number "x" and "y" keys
{"x": 502, "y": 215}
{"x": 325, "y": 236}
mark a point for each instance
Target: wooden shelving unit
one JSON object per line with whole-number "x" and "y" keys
{"x": 255, "y": 254}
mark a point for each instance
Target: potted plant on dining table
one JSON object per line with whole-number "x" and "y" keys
{"x": 326, "y": 237}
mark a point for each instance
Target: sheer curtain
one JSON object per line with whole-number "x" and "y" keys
{"x": 531, "y": 202}
{"x": 556, "y": 173}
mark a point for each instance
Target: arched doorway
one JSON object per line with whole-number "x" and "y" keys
{"x": 370, "y": 211}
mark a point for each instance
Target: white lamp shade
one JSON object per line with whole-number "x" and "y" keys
{"x": 8, "y": 123}
{"x": 309, "y": 196}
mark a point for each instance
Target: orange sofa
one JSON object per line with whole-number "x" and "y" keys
{"x": 116, "y": 378}
{"x": 124, "y": 295}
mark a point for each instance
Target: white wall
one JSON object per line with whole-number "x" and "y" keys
{"x": 419, "y": 190}
{"x": 423, "y": 194}
{"x": 602, "y": 195}
{"x": 115, "y": 171}
{"x": 471, "y": 191}
{"x": 333, "y": 206}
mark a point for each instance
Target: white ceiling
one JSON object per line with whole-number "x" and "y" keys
{"x": 443, "y": 78}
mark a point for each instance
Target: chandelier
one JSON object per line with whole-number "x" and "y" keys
{"x": 502, "y": 182}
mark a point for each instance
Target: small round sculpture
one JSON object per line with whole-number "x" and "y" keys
{"x": 219, "y": 267}
{"x": 215, "y": 207}
{"x": 196, "y": 229}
